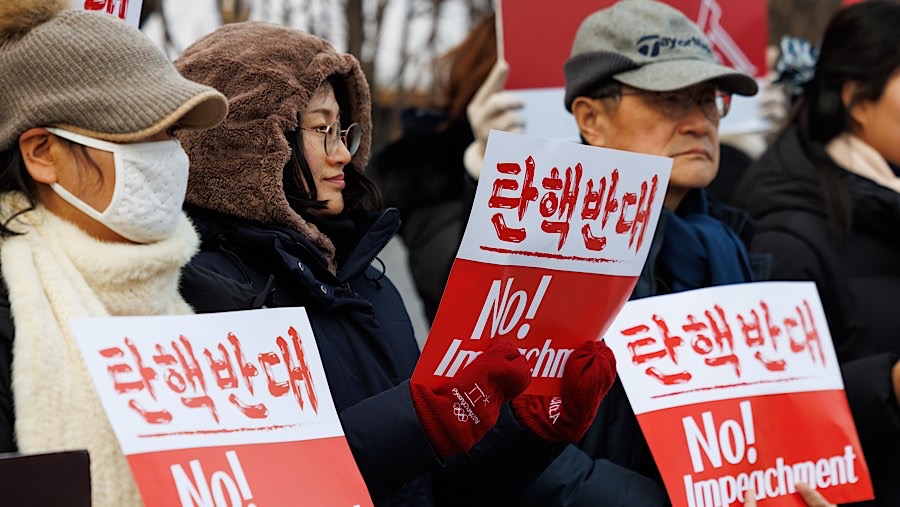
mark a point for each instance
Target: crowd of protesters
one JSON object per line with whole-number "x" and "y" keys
{"x": 239, "y": 177}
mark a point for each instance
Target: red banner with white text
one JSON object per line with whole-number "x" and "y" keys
{"x": 738, "y": 387}
{"x": 557, "y": 237}
{"x": 310, "y": 472}
{"x": 222, "y": 409}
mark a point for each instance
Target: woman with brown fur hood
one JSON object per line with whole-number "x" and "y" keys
{"x": 288, "y": 218}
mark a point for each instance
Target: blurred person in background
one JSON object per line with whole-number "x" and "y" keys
{"x": 431, "y": 172}
{"x": 738, "y": 150}
{"x": 826, "y": 196}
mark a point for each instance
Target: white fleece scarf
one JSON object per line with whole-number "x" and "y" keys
{"x": 55, "y": 272}
{"x": 854, "y": 155}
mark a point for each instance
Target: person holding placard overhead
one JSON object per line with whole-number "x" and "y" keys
{"x": 289, "y": 218}
{"x": 91, "y": 187}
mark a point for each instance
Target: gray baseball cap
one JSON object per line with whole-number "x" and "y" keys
{"x": 647, "y": 45}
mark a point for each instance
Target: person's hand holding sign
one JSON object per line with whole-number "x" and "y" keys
{"x": 459, "y": 413}
{"x": 809, "y": 495}
{"x": 590, "y": 372}
{"x": 491, "y": 108}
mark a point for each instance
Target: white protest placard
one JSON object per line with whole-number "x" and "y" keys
{"x": 126, "y": 10}
{"x": 556, "y": 239}
{"x": 739, "y": 387}
{"x": 222, "y": 406}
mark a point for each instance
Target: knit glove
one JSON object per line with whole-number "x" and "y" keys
{"x": 458, "y": 413}
{"x": 491, "y": 108}
{"x": 590, "y": 372}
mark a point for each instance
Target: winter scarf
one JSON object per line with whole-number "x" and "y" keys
{"x": 700, "y": 251}
{"x": 854, "y": 155}
{"x": 55, "y": 272}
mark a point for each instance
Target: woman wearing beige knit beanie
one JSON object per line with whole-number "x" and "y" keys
{"x": 91, "y": 187}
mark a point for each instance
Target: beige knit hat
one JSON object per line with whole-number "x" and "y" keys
{"x": 93, "y": 74}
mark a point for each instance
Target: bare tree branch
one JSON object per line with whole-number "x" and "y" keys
{"x": 375, "y": 36}
{"x": 168, "y": 43}
{"x": 356, "y": 32}
{"x": 287, "y": 8}
{"x": 233, "y": 11}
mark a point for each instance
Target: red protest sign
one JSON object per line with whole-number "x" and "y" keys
{"x": 310, "y": 472}
{"x": 230, "y": 408}
{"x": 537, "y": 40}
{"x": 734, "y": 388}
{"x": 126, "y": 10}
{"x": 538, "y": 36}
{"x": 557, "y": 237}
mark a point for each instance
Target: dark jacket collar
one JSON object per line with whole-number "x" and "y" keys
{"x": 785, "y": 178}
{"x": 261, "y": 243}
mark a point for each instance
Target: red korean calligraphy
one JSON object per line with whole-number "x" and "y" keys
{"x": 519, "y": 202}
{"x": 117, "y": 8}
{"x": 559, "y": 199}
{"x": 724, "y": 340}
{"x": 174, "y": 366}
{"x": 226, "y": 378}
{"x": 606, "y": 208}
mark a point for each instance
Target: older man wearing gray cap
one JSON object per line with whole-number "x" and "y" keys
{"x": 637, "y": 71}
{"x": 642, "y": 77}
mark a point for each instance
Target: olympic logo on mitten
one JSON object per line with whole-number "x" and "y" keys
{"x": 462, "y": 409}
{"x": 460, "y": 413}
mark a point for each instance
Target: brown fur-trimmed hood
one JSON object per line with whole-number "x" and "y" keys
{"x": 268, "y": 72}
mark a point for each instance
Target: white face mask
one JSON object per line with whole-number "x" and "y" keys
{"x": 151, "y": 179}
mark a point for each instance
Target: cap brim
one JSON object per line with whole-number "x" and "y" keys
{"x": 203, "y": 111}
{"x": 677, "y": 74}
{"x": 179, "y": 103}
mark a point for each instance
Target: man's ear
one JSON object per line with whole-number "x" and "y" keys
{"x": 40, "y": 151}
{"x": 591, "y": 117}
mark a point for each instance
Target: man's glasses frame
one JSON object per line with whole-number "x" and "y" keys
{"x": 714, "y": 102}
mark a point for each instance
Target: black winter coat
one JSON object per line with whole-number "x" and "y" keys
{"x": 368, "y": 350}
{"x": 858, "y": 280}
{"x": 422, "y": 175}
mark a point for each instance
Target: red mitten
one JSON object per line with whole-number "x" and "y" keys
{"x": 458, "y": 413}
{"x": 590, "y": 372}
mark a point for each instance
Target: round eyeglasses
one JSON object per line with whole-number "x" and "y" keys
{"x": 677, "y": 104}
{"x": 350, "y": 137}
